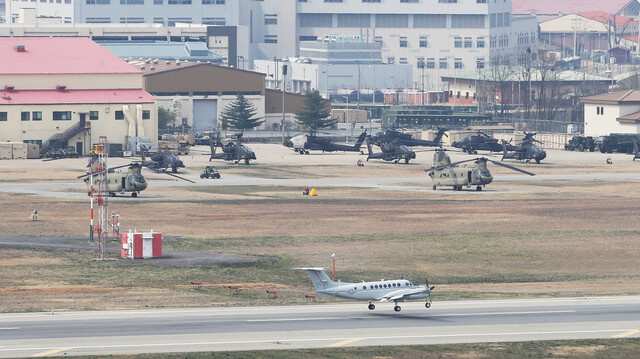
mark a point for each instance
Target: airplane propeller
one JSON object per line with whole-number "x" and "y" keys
{"x": 426, "y": 284}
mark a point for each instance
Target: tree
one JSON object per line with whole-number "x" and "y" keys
{"x": 315, "y": 114}
{"x": 166, "y": 117}
{"x": 240, "y": 113}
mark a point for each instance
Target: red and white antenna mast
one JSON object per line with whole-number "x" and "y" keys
{"x": 100, "y": 195}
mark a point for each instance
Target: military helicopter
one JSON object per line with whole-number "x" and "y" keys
{"x": 392, "y": 135}
{"x": 231, "y": 151}
{"x": 122, "y": 182}
{"x": 392, "y": 151}
{"x": 526, "y": 150}
{"x": 445, "y": 173}
{"x": 304, "y": 142}
{"x": 161, "y": 161}
{"x": 480, "y": 141}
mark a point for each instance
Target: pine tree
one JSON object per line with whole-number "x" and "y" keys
{"x": 315, "y": 114}
{"x": 240, "y": 113}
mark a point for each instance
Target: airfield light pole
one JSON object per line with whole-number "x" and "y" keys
{"x": 284, "y": 77}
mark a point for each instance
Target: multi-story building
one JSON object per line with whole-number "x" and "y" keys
{"x": 71, "y": 91}
{"x": 443, "y": 35}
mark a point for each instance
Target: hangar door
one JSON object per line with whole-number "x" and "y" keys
{"x": 204, "y": 115}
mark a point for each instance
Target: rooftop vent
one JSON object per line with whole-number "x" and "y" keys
{"x": 168, "y": 62}
{"x": 142, "y": 67}
{"x": 152, "y": 68}
{"x": 9, "y": 88}
{"x": 147, "y": 62}
{"x": 61, "y": 87}
{"x": 20, "y": 48}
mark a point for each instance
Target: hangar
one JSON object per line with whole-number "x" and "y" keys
{"x": 71, "y": 91}
{"x": 199, "y": 91}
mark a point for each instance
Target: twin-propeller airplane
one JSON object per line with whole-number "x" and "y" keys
{"x": 397, "y": 290}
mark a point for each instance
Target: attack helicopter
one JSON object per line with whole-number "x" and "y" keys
{"x": 231, "y": 151}
{"x": 122, "y": 182}
{"x": 400, "y": 138}
{"x": 445, "y": 173}
{"x": 480, "y": 141}
{"x": 391, "y": 151}
{"x": 161, "y": 161}
{"x": 526, "y": 150}
{"x": 304, "y": 142}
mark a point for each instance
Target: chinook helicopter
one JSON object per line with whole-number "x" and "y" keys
{"x": 304, "y": 142}
{"x": 231, "y": 151}
{"x": 122, "y": 182}
{"x": 393, "y": 135}
{"x": 392, "y": 151}
{"x": 445, "y": 173}
{"x": 526, "y": 150}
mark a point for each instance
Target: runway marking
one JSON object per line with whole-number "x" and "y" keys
{"x": 430, "y": 316}
{"x": 49, "y": 352}
{"x": 627, "y": 334}
{"x": 10, "y": 328}
{"x": 315, "y": 339}
{"x": 345, "y": 342}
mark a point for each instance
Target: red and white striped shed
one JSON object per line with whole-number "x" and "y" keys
{"x": 136, "y": 245}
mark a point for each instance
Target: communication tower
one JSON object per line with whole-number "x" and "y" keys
{"x": 100, "y": 194}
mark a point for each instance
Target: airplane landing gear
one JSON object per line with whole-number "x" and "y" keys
{"x": 427, "y": 305}
{"x": 397, "y": 308}
{"x": 371, "y": 306}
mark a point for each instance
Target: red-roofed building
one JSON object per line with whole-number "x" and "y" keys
{"x": 70, "y": 91}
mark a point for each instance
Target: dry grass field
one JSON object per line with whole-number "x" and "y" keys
{"x": 520, "y": 239}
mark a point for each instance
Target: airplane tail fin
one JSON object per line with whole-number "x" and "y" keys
{"x": 360, "y": 140}
{"x": 319, "y": 278}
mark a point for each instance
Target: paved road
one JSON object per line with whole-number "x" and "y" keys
{"x": 64, "y": 190}
{"x": 314, "y": 326}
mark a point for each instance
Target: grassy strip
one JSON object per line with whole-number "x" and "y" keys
{"x": 592, "y": 348}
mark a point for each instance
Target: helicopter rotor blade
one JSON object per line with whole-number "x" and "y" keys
{"x": 511, "y": 167}
{"x": 449, "y": 165}
{"x": 176, "y": 176}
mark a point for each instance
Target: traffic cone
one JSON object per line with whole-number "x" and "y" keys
{"x": 313, "y": 192}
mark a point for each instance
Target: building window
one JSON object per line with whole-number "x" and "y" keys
{"x": 332, "y": 0}
{"x": 372, "y": 0}
{"x": 62, "y": 115}
{"x": 458, "y": 63}
{"x": 270, "y": 39}
{"x": 98, "y": 2}
{"x": 93, "y": 115}
{"x": 431, "y": 63}
{"x": 403, "y": 42}
{"x": 443, "y": 62}
{"x": 457, "y": 42}
{"x": 391, "y": 60}
{"x": 270, "y": 19}
{"x": 158, "y": 2}
{"x": 408, "y": 1}
{"x": 119, "y": 115}
{"x": 146, "y": 114}
{"x": 424, "y": 41}
{"x": 131, "y": 2}
{"x": 481, "y": 1}
{"x": 36, "y": 116}
{"x": 3, "y": 116}
{"x": 480, "y": 42}
{"x": 448, "y": 1}
{"x": 25, "y": 116}
{"x": 179, "y": 2}
{"x": 468, "y": 43}
{"x": 480, "y": 63}
{"x": 403, "y": 60}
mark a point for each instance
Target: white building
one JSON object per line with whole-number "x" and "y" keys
{"x": 616, "y": 112}
{"x": 447, "y": 35}
{"x": 71, "y": 90}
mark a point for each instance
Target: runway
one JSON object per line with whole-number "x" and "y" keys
{"x": 315, "y": 326}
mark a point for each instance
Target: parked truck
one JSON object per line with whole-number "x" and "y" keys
{"x": 618, "y": 142}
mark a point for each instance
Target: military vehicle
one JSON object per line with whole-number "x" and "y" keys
{"x": 581, "y": 143}
{"x": 618, "y": 142}
{"x": 210, "y": 172}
